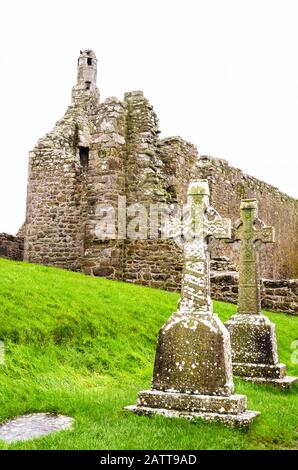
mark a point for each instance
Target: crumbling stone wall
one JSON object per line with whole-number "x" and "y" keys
{"x": 105, "y": 181}
{"x": 11, "y": 247}
{"x": 57, "y": 180}
{"x": 281, "y": 295}
{"x": 100, "y": 151}
{"x": 56, "y": 189}
{"x": 181, "y": 164}
{"x": 128, "y": 159}
{"x": 228, "y": 186}
{"x": 154, "y": 263}
{"x": 278, "y": 295}
{"x": 144, "y": 168}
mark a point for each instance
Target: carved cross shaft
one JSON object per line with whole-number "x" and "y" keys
{"x": 251, "y": 232}
{"x": 203, "y": 223}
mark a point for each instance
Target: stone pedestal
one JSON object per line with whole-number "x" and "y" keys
{"x": 193, "y": 373}
{"x": 254, "y": 351}
{"x": 230, "y": 411}
{"x": 193, "y": 355}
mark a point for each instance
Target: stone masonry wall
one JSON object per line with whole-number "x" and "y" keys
{"x": 105, "y": 181}
{"x": 281, "y": 295}
{"x": 11, "y": 247}
{"x": 57, "y": 181}
{"x": 100, "y": 151}
{"x": 154, "y": 263}
{"x": 227, "y": 186}
{"x": 181, "y": 164}
{"x": 56, "y": 187}
{"x": 144, "y": 182}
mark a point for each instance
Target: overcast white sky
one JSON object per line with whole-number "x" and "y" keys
{"x": 223, "y": 74}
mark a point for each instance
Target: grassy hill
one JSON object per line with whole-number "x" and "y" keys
{"x": 84, "y": 347}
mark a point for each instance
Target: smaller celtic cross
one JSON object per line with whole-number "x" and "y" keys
{"x": 251, "y": 232}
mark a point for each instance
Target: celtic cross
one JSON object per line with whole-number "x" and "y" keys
{"x": 203, "y": 223}
{"x": 251, "y": 232}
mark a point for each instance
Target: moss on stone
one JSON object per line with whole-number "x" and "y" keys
{"x": 76, "y": 137}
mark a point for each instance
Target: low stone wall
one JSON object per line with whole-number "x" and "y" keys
{"x": 224, "y": 286}
{"x": 281, "y": 296}
{"x": 11, "y": 247}
{"x": 228, "y": 185}
{"x": 147, "y": 262}
{"x": 154, "y": 263}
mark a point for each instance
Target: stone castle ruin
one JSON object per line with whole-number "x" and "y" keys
{"x": 100, "y": 150}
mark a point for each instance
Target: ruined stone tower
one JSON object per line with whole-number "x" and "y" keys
{"x": 86, "y": 76}
{"x": 95, "y": 153}
{"x": 99, "y": 151}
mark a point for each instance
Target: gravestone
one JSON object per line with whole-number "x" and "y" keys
{"x": 193, "y": 369}
{"x": 32, "y": 426}
{"x": 253, "y": 337}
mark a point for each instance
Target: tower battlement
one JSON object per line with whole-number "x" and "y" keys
{"x": 86, "y": 85}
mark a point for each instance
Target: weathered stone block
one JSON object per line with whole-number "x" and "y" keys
{"x": 253, "y": 339}
{"x": 276, "y": 371}
{"x": 233, "y": 404}
{"x": 103, "y": 271}
{"x": 193, "y": 356}
{"x": 241, "y": 420}
{"x": 283, "y": 383}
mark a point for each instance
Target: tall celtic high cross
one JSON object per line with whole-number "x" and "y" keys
{"x": 192, "y": 374}
{"x": 251, "y": 232}
{"x": 203, "y": 224}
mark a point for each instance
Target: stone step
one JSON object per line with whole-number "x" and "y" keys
{"x": 266, "y": 371}
{"x": 241, "y": 420}
{"x": 234, "y": 404}
{"x": 283, "y": 384}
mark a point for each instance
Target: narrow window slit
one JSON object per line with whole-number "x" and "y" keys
{"x": 84, "y": 156}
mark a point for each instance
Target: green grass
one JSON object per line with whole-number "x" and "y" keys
{"x": 84, "y": 347}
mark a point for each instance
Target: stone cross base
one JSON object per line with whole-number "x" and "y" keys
{"x": 284, "y": 383}
{"x": 230, "y": 411}
{"x": 194, "y": 356}
{"x": 254, "y": 350}
{"x": 265, "y": 371}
